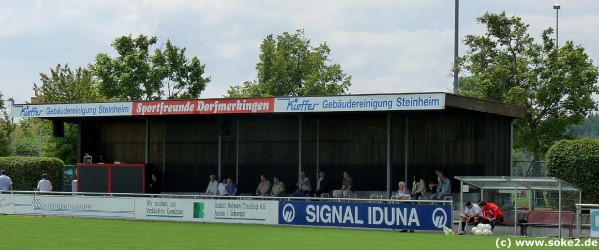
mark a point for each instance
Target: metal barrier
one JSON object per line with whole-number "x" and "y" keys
{"x": 203, "y": 196}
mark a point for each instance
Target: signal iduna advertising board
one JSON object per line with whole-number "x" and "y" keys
{"x": 365, "y": 215}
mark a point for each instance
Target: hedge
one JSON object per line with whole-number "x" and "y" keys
{"x": 25, "y": 172}
{"x": 576, "y": 162}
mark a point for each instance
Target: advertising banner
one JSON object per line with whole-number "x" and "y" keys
{"x": 594, "y": 223}
{"x": 72, "y": 110}
{"x": 208, "y": 210}
{"x": 82, "y": 206}
{"x": 365, "y": 215}
{"x": 428, "y": 101}
{"x": 207, "y": 106}
{"x": 7, "y": 202}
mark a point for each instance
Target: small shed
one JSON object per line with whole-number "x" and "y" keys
{"x": 517, "y": 184}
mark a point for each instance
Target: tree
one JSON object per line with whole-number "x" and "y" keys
{"x": 135, "y": 74}
{"x": 62, "y": 85}
{"x": 554, "y": 84}
{"x": 65, "y": 86}
{"x": 6, "y": 129}
{"x": 290, "y": 66}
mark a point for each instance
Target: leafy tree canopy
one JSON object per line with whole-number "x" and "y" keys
{"x": 135, "y": 74}
{"x": 6, "y": 128}
{"x": 64, "y": 85}
{"x": 554, "y": 84}
{"x": 290, "y": 66}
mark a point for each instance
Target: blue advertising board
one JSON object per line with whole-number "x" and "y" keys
{"x": 594, "y": 223}
{"x": 365, "y": 215}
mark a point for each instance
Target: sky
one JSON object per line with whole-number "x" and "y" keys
{"x": 387, "y": 46}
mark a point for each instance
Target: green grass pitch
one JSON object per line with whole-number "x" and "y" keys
{"x": 28, "y": 232}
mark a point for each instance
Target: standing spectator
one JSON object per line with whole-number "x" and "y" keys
{"x": 5, "y": 181}
{"x": 403, "y": 193}
{"x": 303, "y": 186}
{"x": 322, "y": 186}
{"x": 155, "y": 185}
{"x": 443, "y": 188}
{"x": 418, "y": 187}
{"x": 278, "y": 188}
{"x": 212, "y": 188}
{"x": 347, "y": 187}
{"x": 264, "y": 186}
{"x": 232, "y": 187}
{"x": 44, "y": 184}
{"x": 222, "y": 188}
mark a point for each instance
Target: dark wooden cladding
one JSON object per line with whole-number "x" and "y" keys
{"x": 464, "y": 143}
{"x": 268, "y": 145}
{"x": 355, "y": 143}
{"x": 498, "y": 108}
{"x": 185, "y": 149}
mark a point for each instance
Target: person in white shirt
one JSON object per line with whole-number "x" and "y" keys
{"x": 44, "y": 184}
{"x": 471, "y": 215}
{"x": 212, "y": 188}
{"x": 5, "y": 181}
{"x": 403, "y": 193}
{"x": 222, "y": 188}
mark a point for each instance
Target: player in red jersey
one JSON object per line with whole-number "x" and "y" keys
{"x": 492, "y": 214}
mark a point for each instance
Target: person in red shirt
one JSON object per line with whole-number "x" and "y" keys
{"x": 492, "y": 214}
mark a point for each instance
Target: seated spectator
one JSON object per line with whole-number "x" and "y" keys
{"x": 418, "y": 187}
{"x": 322, "y": 186}
{"x": 443, "y": 188}
{"x": 212, "y": 188}
{"x": 433, "y": 184}
{"x": 471, "y": 215}
{"x": 346, "y": 188}
{"x": 278, "y": 188}
{"x": 222, "y": 187}
{"x": 403, "y": 193}
{"x": 264, "y": 186}
{"x": 232, "y": 187}
{"x": 303, "y": 186}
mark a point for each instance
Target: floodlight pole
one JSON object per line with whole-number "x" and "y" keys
{"x": 456, "y": 71}
{"x": 556, "y": 7}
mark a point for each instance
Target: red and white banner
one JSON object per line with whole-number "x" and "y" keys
{"x": 206, "y": 106}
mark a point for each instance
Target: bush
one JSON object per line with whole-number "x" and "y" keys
{"x": 576, "y": 162}
{"x": 25, "y": 172}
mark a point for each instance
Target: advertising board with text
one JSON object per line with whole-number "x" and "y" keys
{"x": 365, "y": 215}
{"x": 208, "y": 210}
{"x": 206, "y": 106}
{"x": 82, "y": 206}
{"x": 7, "y": 203}
{"x": 72, "y": 110}
{"x": 428, "y": 101}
